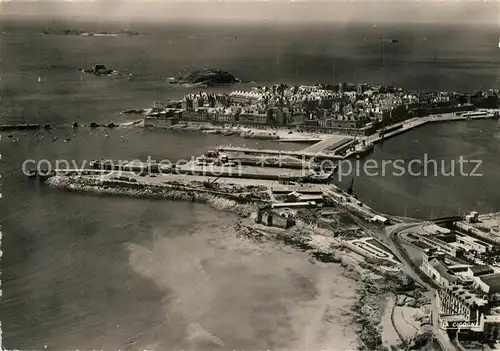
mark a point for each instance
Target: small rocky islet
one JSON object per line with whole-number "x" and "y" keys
{"x": 70, "y": 31}
{"x": 103, "y": 70}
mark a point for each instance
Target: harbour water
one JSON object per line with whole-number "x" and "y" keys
{"x": 88, "y": 272}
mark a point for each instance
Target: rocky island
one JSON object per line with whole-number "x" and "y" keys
{"x": 84, "y": 33}
{"x": 206, "y": 77}
{"x": 102, "y": 70}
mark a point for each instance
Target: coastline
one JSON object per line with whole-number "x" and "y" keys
{"x": 128, "y": 267}
{"x": 167, "y": 192}
{"x": 373, "y": 284}
{"x": 363, "y": 145}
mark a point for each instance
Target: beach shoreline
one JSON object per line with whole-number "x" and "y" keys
{"x": 319, "y": 244}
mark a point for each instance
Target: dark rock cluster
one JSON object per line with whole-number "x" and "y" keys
{"x": 100, "y": 70}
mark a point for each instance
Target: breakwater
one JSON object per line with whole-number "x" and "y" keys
{"x": 7, "y": 127}
{"x": 413, "y": 123}
{"x": 241, "y": 204}
{"x": 270, "y": 162}
{"x": 92, "y": 125}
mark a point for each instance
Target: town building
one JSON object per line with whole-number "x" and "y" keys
{"x": 252, "y": 118}
{"x": 470, "y": 243}
{"x": 443, "y": 242}
{"x": 225, "y": 117}
{"x": 433, "y": 264}
{"x": 379, "y": 219}
{"x": 344, "y": 109}
{"x": 462, "y": 301}
{"x": 466, "y": 312}
{"x": 472, "y": 217}
{"x": 469, "y": 300}
{"x": 245, "y": 97}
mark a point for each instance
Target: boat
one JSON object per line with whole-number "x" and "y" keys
{"x": 39, "y": 80}
{"x": 319, "y": 177}
{"x": 366, "y": 149}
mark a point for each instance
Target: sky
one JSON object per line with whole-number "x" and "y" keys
{"x": 413, "y": 11}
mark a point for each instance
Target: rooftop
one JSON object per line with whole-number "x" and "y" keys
{"x": 311, "y": 197}
{"x": 433, "y": 228}
{"x": 441, "y": 268}
{"x": 379, "y": 218}
{"x": 467, "y": 295}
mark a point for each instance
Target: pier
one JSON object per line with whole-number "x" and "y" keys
{"x": 298, "y": 140}
{"x": 416, "y": 122}
{"x": 331, "y": 148}
{"x": 298, "y": 154}
{"x": 247, "y": 172}
{"x": 333, "y": 144}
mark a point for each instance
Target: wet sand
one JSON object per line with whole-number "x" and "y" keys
{"x": 231, "y": 293}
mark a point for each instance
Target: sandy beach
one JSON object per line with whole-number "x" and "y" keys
{"x": 272, "y": 296}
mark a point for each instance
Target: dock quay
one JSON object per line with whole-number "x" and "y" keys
{"x": 246, "y": 172}
{"x": 298, "y": 154}
{"x": 154, "y": 167}
{"x": 333, "y": 143}
{"x": 271, "y": 162}
{"x": 287, "y": 190}
{"x": 416, "y": 122}
{"x": 334, "y": 148}
{"x": 305, "y": 155}
{"x": 212, "y": 170}
{"x": 243, "y": 176}
{"x": 310, "y": 140}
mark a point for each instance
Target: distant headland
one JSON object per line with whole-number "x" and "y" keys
{"x": 84, "y": 33}
{"x": 206, "y": 77}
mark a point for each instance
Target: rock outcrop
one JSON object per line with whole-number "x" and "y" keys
{"x": 208, "y": 77}
{"x": 83, "y": 33}
{"x": 100, "y": 70}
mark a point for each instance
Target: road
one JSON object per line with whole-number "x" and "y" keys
{"x": 393, "y": 232}
{"x": 359, "y": 209}
{"x": 390, "y": 236}
{"x": 412, "y": 269}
